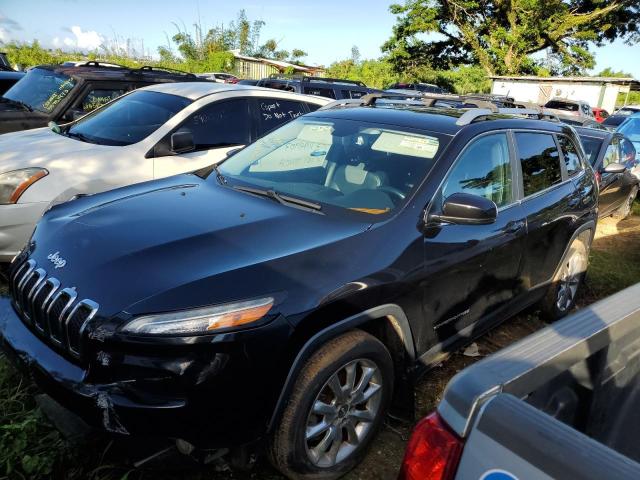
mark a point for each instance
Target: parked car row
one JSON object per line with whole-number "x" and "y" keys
{"x": 288, "y": 263}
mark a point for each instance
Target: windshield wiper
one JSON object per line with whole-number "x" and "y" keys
{"x": 282, "y": 199}
{"x": 221, "y": 178}
{"x": 79, "y": 136}
{"x": 19, "y": 103}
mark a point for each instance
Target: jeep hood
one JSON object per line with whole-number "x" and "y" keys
{"x": 36, "y": 148}
{"x": 185, "y": 242}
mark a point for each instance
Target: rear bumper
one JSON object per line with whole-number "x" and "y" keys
{"x": 16, "y": 226}
{"x": 212, "y": 408}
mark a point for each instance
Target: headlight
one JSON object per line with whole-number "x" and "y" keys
{"x": 13, "y": 184}
{"x": 200, "y": 320}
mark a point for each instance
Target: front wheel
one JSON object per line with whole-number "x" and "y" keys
{"x": 562, "y": 293}
{"x": 337, "y": 405}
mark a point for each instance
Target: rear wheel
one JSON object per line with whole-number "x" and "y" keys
{"x": 337, "y": 405}
{"x": 561, "y": 296}
{"x": 625, "y": 210}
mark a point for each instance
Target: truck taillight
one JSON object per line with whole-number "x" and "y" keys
{"x": 598, "y": 177}
{"x": 433, "y": 452}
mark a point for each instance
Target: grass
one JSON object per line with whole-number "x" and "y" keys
{"x": 30, "y": 448}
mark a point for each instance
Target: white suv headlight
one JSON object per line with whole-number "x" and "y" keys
{"x": 200, "y": 320}
{"x": 14, "y": 183}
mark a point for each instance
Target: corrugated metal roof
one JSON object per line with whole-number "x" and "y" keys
{"x": 623, "y": 80}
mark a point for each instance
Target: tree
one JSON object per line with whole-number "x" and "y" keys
{"x": 297, "y": 55}
{"x": 501, "y": 35}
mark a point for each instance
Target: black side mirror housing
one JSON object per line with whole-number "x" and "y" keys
{"x": 614, "y": 168}
{"x": 182, "y": 142}
{"x": 466, "y": 209}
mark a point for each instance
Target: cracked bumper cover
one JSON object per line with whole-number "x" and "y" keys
{"x": 214, "y": 410}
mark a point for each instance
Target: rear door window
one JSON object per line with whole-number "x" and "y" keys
{"x": 321, "y": 92}
{"x": 220, "y": 124}
{"x": 275, "y": 112}
{"x": 540, "y": 161}
{"x": 571, "y": 155}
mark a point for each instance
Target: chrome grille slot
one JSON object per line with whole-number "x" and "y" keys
{"x": 56, "y": 313}
{"x": 21, "y": 276}
{"x": 78, "y": 318}
{"x": 53, "y": 311}
{"x": 40, "y": 301}
{"x": 34, "y": 279}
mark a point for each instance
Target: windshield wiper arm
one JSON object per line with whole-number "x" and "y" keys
{"x": 19, "y": 103}
{"x": 79, "y": 136}
{"x": 278, "y": 197}
{"x": 221, "y": 178}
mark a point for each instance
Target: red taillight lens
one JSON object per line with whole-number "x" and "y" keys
{"x": 598, "y": 177}
{"x": 433, "y": 452}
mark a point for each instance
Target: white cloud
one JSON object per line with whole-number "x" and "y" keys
{"x": 82, "y": 40}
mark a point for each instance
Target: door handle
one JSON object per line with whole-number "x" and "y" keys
{"x": 515, "y": 226}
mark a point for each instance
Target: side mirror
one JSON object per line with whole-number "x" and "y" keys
{"x": 615, "y": 168}
{"x": 182, "y": 142}
{"x": 466, "y": 209}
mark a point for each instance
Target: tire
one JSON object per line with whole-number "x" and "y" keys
{"x": 625, "y": 210}
{"x": 561, "y": 295}
{"x": 301, "y": 447}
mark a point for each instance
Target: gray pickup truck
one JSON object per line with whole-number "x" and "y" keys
{"x": 563, "y": 403}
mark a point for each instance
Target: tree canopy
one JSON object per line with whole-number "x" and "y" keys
{"x": 502, "y": 35}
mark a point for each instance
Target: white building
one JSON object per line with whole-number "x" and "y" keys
{"x": 598, "y": 91}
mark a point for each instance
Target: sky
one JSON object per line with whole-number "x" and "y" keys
{"x": 325, "y": 29}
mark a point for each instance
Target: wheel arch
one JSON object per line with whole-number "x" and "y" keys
{"x": 584, "y": 233}
{"x": 388, "y": 323}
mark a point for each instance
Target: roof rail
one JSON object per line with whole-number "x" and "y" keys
{"x": 306, "y": 78}
{"x": 96, "y": 63}
{"x": 150, "y": 68}
{"x": 333, "y": 80}
{"x": 471, "y": 115}
{"x": 428, "y": 99}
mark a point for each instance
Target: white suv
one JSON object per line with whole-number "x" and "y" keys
{"x": 152, "y": 132}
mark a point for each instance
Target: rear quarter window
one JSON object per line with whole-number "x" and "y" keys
{"x": 540, "y": 161}
{"x": 571, "y": 155}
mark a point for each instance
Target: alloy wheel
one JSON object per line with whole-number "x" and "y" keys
{"x": 571, "y": 275}
{"x": 343, "y": 412}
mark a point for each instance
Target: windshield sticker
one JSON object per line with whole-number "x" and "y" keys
{"x": 403, "y": 144}
{"x": 56, "y": 97}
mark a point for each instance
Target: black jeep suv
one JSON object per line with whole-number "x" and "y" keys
{"x": 290, "y": 293}
{"x": 64, "y": 93}
{"x": 321, "y": 86}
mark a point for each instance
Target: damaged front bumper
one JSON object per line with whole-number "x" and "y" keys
{"x": 223, "y": 402}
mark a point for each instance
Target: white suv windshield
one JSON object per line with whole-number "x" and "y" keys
{"x": 358, "y": 166}
{"x": 128, "y": 120}
{"x": 41, "y": 89}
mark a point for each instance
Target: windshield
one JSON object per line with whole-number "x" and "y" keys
{"x": 591, "y": 148}
{"x": 128, "y": 120}
{"x": 41, "y": 89}
{"x": 357, "y": 166}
